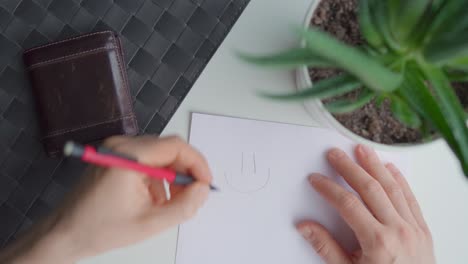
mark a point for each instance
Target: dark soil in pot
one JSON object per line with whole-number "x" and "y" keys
{"x": 339, "y": 18}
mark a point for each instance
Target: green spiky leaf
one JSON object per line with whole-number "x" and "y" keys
{"x": 410, "y": 13}
{"x": 404, "y": 113}
{"x": 349, "y": 105}
{"x": 384, "y": 27}
{"x": 459, "y": 63}
{"x": 380, "y": 99}
{"x": 415, "y": 91}
{"x": 451, "y": 108}
{"x": 460, "y": 25}
{"x": 419, "y": 35}
{"x": 446, "y": 17}
{"x": 393, "y": 11}
{"x": 457, "y": 75}
{"x": 367, "y": 26}
{"x": 436, "y": 4}
{"x": 368, "y": 70}
{"x": 447, "y": 50}
{"x": 324, "y": 89}
{"x": 290, "y": 58}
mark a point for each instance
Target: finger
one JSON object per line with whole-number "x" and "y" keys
{"x": 356, "y": 256}
{"x": 157, "y": 191}
{"x": 368, "y": 188}
{"x": 323, "y": 243}
{"x": 351, "y": 209}
{"x": 176, "y": 189}
{"x": 170, "y": 151}
{"x": 410, "y": 198}
{"x": 182, "y": 207}
{"x": 114, "y": 141}
{"x": 370, "y": 162}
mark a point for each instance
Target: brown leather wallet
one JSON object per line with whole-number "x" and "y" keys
{"x": 81, "y": 90}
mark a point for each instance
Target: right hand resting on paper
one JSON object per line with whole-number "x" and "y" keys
{"x": 389, "y": 225}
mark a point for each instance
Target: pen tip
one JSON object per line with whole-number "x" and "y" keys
{"x": 213, "y": 188}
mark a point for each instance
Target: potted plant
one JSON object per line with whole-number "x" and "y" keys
{"x": 398, "y": 60}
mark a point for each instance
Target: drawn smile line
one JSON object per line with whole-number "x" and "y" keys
{"x": 248, "y": 191}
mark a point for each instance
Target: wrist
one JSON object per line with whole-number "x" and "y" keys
{"x": 44, "y": 243}
{"x": 61, "y": 241}
{"x": 54, "y": 248}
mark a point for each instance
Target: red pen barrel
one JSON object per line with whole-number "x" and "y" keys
{"x": 91, "y": 156}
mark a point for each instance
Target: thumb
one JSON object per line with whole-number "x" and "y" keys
{"x": 182, "y": 206}
{"x": 323, "y": 243}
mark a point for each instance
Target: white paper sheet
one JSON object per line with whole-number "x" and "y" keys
{"x": 261, "y": 169}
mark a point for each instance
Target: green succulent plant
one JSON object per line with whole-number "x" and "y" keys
{"x": 413, "y": 51}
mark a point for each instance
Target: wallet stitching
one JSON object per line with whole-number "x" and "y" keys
{"x": 62, "y": 132}
{"x": 124, "y": 77}
{"x": 68, "y": 40}
{"x": 68, "y": 57}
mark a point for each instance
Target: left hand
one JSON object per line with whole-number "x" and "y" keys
{"x": 388, "y": 222}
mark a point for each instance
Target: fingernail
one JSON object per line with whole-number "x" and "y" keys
{"x": 364, "y": 150}
{"x": 306, "y": 232}
{"x": 335, "y": 154}
{"x": 313, "y": 178}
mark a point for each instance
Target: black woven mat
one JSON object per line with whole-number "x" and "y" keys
{"x": 167, "y": 43}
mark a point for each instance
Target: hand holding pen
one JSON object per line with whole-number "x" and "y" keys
{"x": 105, "y": 157}
{"x": 112, "y": 207}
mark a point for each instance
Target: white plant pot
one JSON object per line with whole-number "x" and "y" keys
{"x": 317, "y": 110}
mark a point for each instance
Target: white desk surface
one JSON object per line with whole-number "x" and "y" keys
{"x": 227, "y": 87}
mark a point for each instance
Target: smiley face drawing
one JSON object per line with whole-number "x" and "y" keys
{"x": 250, "y": 178}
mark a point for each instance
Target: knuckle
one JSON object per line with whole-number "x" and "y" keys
{"x": 413, "y": 203}
{"x": 372, "y": 186}
{"x": 381, "y": 240}
{"x": 112, "y": 141}
{"x": 374, "y": 162}
{"x": 420, "y": 233}
{"x": 321, "y": 248}
{"x": 175, "y": 140}
{"x": 188, "y": 211}
{"x": 404, "y": 233}
{"x": 425, "y": 232}
{"x": 393, "y": 190}
{"x": 348, "y": 201}
{"x": 202, "y": 157}
{"x": 198, "y": 155}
